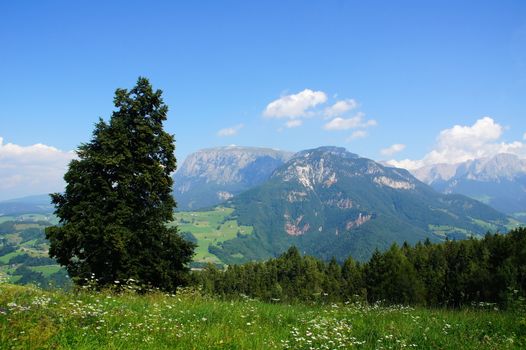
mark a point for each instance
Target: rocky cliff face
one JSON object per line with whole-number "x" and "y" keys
{"x": 210, "y": 176}
{"x": 499, "y": 181}
{"x": 501, "y": 166}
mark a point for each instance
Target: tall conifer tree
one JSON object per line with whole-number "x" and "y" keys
{"x": 118, "y": 200}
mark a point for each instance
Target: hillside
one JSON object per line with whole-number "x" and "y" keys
{"x": 329, "y": 202}
{"x": 499, "y": 181}
{"x": 207, "y": 229}
{"x": 24, "y": 251}
{"x": 34, "y": 319}
{"x": 31, "y": 204}
{"x": 211, "y": 176}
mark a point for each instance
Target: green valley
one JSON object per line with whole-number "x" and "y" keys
{"x": 208, "y": 229}
{"x": 24, "y": 251}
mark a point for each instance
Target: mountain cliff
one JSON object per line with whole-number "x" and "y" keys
{"x": 499, "y": 181}
{"x": 211, "y": 176}
{"x": 330, "y": 202}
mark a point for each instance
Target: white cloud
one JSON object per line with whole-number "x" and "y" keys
{"x": 340, "y": 108}
{"x": 230, "y": 131}
{"x": 294, "y": 123}
{"x": 524, "y": 136}
{"x": 357, "y": 121}
{"x": 470, "y": 137}
{"x": 358, "y": 134}
{"x": 27, "y": 170}
{"x": 462, "y": 143}
{"x": 389, "y": 151}
{"x": 406, "y": 164}
{"x": 342, "y": 124}
{"x": 296, "y": 105}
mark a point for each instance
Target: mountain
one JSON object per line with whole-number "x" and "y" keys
{"x": 211, "y": 176}
{"x": 330, "y": 202}
{"x": 499, "y": 181}
{"x": 24, "y": 205}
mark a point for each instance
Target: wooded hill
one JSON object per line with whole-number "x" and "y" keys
{"x": 329, "y": 202}
{"x": 452, "y": 273}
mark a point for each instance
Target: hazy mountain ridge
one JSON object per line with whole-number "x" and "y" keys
{"x": 29, "y": 204}
{"x": 210, "y": 176}
{"x": 499, "y": 181}
{"x": 330, "y": 202}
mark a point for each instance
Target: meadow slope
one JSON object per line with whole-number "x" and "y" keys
{"x": 31, "y": 318}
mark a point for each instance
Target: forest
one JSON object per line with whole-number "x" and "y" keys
{"x": 490, "y": 271}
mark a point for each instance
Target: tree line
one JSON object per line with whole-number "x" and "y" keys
{"x": 451, "y": 274}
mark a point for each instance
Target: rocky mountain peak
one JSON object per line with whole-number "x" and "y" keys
{"x": 326, "y": 165}
{"x": 210, "y": 176}
{"x": 225, "y": 164}
{"x": 499, "y": 181}
{"x": 326, "y": 151}
{"x": 500, "y": 166}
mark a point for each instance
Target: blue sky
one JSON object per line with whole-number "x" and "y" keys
{"x": 410, "y": 70}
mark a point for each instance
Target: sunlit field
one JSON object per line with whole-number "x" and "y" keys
{"x": 209, "y": 228}
{"x": 34, "y": 319}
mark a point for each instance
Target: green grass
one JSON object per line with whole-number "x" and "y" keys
{"x": 210, "y": 228}
{"x": 513, "y": 223}
{"x": 12, "y": 238}
{"x": 34, "y": 319}
{"x": 33, "y": 217}
{"x": 444, "y": 230}
{"x": 484, "y": 198}
{"x": 30, "y": 217}
{"x": 4, "y": 259}
{"x": 486, "y": 225}
{"x": 5, "y": 218}
{"x": 14, "y": 278}
{"x": 29, "y": 243}
{"x": 20, "y": 227}
{"x": 46, "y": 270}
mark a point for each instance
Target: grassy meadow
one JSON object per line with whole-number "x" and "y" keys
{"x": 31, "y": 318}
{"x": 209, "y": 228}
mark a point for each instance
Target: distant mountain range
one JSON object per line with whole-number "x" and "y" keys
{"x": 211, "y": 176}
{"x": 330, "y": 202}
{"x": 24, "y": 205}
{"x": 499, "y": 181}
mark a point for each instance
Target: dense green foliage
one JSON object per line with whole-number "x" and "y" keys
{"x": 33, "y": 319}
{"x": 453, "y": 273}
{"x": 118, "y": 200}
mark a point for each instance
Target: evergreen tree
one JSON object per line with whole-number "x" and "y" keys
{"x": 118, "y": 200}
{"x": 353, "y": 280}
{"x": 333, "y": 280}
{"x": 392, "y": 277}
